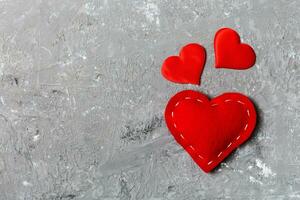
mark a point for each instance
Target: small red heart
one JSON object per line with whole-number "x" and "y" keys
{"x": 230, "y": 52}
{"x": 187, "y": 67}
{"x": 209, "y": 130}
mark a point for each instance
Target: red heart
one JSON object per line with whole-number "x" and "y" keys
{"x": 230, "y": 52}
{"x": 209, "y": 130}
{"x": 187, "y": 67}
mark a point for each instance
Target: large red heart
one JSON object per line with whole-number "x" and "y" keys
{"x": 187, "y": 67}
{"x": 209, "y": 130}
{"x": 230, "y": 52}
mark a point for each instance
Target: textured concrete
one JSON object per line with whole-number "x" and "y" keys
{"x": 81, "y": 99}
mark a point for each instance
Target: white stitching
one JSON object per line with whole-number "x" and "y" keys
{"x": 200, "y": 156}
{"x": 246, "y": 126}
{"x": 241, "y": 102}
{"x": 191, "y": 146}
{"x": 229, "y": 145}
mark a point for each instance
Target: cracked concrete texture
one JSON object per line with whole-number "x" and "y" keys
{"x": 82, "y": 99}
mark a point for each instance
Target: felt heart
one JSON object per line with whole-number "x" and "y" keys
{"x": 230, "y": 52}
{"x": 209, "y": 130}
{"x": 187, "y": 67}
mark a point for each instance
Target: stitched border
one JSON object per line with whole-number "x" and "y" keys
{"x": 213, "y": 105}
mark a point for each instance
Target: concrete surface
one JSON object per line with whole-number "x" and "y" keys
{"x": 81, "y": 99}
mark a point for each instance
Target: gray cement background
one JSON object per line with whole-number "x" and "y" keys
{"x": 82, "y": 98}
